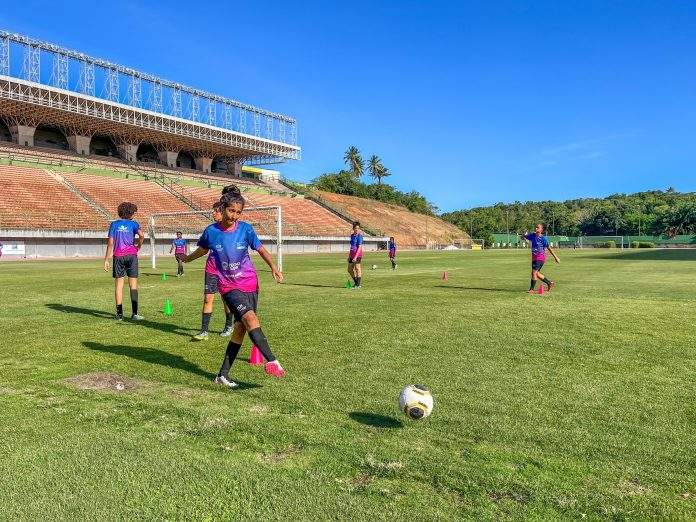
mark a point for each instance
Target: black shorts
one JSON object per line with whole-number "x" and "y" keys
{"x": 210, "y": 283}
{"x": 180, "y": 257}
{"x": 241, "y": 302}
{"x": 125, "y": 266}
{"x": 355, "y": 261}
{"x": 536, "y": 265}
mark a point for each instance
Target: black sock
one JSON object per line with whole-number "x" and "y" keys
{"x": 532, "y": 284}
{"x": 547, "y": 281}
{"x": 355, "y": 280}
{"x": 134, "y": 300}
{"x": 230, "y": 356}
{"x": 229, "y": 319}
{"x": 358, "y": 280}
{"x": 119, "y": 309}
{"x": 205, "y": 321}
{"x": 393, "y": 263}
{"x": 257, "y": 337}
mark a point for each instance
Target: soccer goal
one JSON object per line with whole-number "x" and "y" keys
{"x": 267, "y": 221}
{"x": 601, "y": 242}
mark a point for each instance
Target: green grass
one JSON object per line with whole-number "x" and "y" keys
{"x": 580, "y": 403}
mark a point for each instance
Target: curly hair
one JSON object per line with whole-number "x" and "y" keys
{"x": 230, "y": 195}
{"x": 126, "y": 210}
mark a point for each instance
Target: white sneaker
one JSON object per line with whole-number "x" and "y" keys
{"x": 224, "y": 381}
{"x": 136, "y": 317}
{"x": 226, "y": 332}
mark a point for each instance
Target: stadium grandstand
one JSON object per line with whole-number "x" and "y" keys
{"x": 79, "y": 135}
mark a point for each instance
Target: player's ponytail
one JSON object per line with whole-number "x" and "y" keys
{"x": 230, "y": 195}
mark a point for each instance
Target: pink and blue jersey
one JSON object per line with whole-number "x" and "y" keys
{"x": 179, "y": 246}
{"x": 539, "y": 246}
{"x": 123, "y": 232}
{"x": 229, "y": 256}
{"x": 356, "y": 246}
{"x": 392, "y": 248}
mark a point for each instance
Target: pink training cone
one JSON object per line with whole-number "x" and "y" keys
{"x": 255, "y": 359}
{"x": 541, "y": 289}
{"x": 444, "y": 275}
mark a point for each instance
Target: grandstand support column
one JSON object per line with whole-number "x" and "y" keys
{"x": 79, "y": 144}
{"x": 234, "y": 169}
{"x": 203, "y": 163}
{"x": 128, "y": 151}
{"x": 23, "y": 134}
{"x": 168, "y": 157}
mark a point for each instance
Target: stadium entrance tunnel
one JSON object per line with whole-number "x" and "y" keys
{"x": 5, "y": 134}
{"x": 147, "y": 154}
{"x": 185, "y": 160}
{"x": 50, "y": 137}
{"x": 219, "y": 166}
{"x": 103, "y": 146}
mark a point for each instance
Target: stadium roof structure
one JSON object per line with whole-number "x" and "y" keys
{"x": 133, "y": 107}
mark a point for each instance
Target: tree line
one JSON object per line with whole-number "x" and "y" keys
{"x": 643, "y": 213}
{"x": 349, "y": 182}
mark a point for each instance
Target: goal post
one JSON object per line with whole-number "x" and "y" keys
{"x": 267, "y": 221}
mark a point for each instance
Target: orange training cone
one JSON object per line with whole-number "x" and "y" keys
{"x": 541, "y": 289}
{"x": 255, "y": 358}
{"x": 444, "y": 275}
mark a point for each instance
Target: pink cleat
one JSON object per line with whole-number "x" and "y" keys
{"x": 274, "y": 368}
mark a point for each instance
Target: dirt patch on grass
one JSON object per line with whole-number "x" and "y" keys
{"x": 515, "y": 496}
{"x": 278, "y": 457}
{"x": 102, "y": 381}
{"x": 361, "y": 480}
{"x": 259, "y": 409}
{"x": 633, "y": 488}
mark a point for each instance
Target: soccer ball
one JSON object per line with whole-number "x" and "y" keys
{"x": 416, "y": 401}
{"x": 374, "y": 267}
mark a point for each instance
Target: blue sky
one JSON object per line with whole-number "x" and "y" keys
{"x": 469, "y": 103}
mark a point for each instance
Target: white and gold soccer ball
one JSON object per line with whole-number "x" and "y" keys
{"x": 374, "y": 267}
{"x": 416, "y": 401}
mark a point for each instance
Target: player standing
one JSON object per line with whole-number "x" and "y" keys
{"x": 124, "y": 246}
{"x": 392, "y": 252}
{"x": 229, "y": 241}
{"x": 179, "y": 248}
{"x": 355, "y": 255}
{"x": 540, "y": 243}
{"x": 210, "y": 288}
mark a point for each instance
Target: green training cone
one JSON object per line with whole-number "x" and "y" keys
{"x": 164, "y": 276}
{"x": 349, "y": 284}
{"x": 167, "y": 309}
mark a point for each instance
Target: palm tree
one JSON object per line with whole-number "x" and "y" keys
{"x": 375, "y": 167}
{"x": 354, "y": 161}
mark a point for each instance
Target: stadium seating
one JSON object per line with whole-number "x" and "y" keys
{"x": 33, "y": 199}
{"x": 109, "y": 192}
{"x": 301, "y": 217}
{"x": 408, "y": 228}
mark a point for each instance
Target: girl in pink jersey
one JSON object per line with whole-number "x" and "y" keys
{"x": 229, "y": 242}
{"x": 539, "y": 243}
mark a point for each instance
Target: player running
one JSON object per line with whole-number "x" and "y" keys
{"x": 124, "y": 246}
{"x": 179, "y": 248}
{"x": 210, "y": 288}
{"x": 355, "y": 255}
{"x": 540, "y": 243}
{"x": 392, "y": 252}
{"x": 229, "y": 241}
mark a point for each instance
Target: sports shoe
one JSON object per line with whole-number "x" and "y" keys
{"x": 551, "y": 285}
{"x": 531, "y": 291}
{"x": 136, "y": 317}
{"x": 226, "y": 332}
{"x": 274, "y": 369}
{"x": 224, "y": 381}
{"x": 119, "y": 317}
{"x": 201, "y": 336}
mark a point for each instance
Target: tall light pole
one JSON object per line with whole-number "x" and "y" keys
{"x": 507, "y": 223}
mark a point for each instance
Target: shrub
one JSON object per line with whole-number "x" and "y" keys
{"x": 642, "y": 244}
{"x": 606, "y": 244}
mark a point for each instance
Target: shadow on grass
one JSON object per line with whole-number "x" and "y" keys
{"x": 651, "y": 254}
{"x": 375, "y": 420}
{"x": 454, "y": 287}
{"x": 313, "y": 286}
{"x": 101, "y": 314}
{"x": 160, "y": 357}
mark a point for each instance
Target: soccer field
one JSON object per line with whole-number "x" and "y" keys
{"x": 579, "y": 402}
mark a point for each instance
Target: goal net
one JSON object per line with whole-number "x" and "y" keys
{"x": 162, "y": 228}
